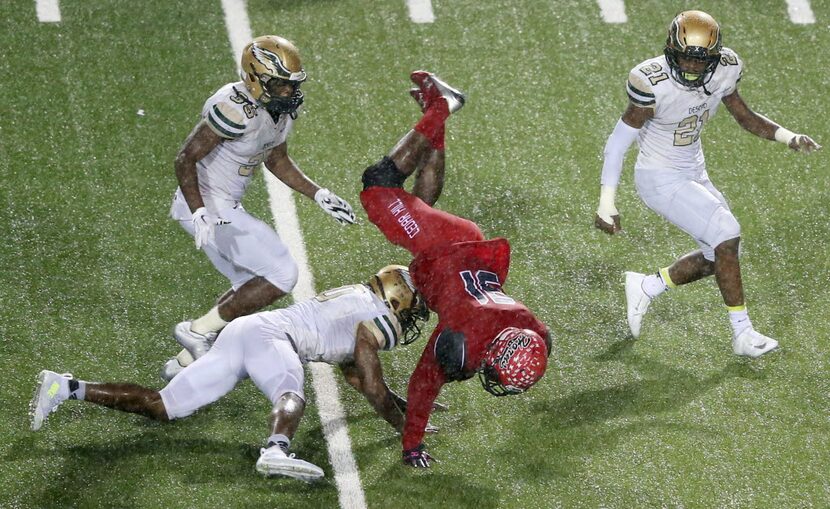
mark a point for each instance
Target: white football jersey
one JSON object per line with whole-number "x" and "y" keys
{"x": 323, "y": 329}
{"x": 671, "y": 140}
{"x": 249, "y": 132}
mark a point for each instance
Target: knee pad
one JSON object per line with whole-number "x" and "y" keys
{"x": 383, "y": 174}
{"x": 290, "y": 403}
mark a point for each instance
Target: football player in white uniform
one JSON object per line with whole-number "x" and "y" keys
{"x": 671, "y": 97}
{"x": 243, "y": 125}
{"x": 346, "y": 326}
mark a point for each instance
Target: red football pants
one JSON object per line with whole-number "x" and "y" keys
{"x": 412, "y": 224}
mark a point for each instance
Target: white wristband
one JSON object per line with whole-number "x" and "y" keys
{"x": 606, "y": 196}
{"x": 783, "y": 135}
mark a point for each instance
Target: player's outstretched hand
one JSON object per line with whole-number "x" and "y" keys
{"x": 803, "y": 143}
{"x": 609, "y": 225}
{"x": 417, "y": 457}
{"x": 431, "y": 429}
{"x": 335, "y": 206}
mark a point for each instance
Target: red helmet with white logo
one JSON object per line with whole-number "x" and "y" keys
{"x": 515, "y": 360}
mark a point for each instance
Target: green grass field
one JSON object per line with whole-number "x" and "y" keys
{"x": 94, "y": 274}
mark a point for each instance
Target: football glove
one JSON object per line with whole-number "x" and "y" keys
{"x": 335, "y": 206}
{"x": 803, "y": 143}
{"x": 417, "y": 457}
{"x": 204, "y": 224}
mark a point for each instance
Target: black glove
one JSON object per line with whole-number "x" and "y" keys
{"x": 417, "y": 457}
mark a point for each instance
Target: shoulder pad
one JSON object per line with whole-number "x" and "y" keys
{"x": 385, "y": 329}
{"x": 641, "y": 81}
{"x": 229, "y": 111}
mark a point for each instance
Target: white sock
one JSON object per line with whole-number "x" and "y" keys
{"x": 211, "y": 322}
{"x": 739, "y": 317}
{"x": 77, "y": 389}
{"x": 653, "y": 285}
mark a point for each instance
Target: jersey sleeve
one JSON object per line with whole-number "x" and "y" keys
{"x": 225, "y": 113}
{"x": 639, "y": 89}
{"x": 385, "y": 329}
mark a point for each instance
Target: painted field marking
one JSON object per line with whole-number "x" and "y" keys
{"x": 281, "y": 198}
{"x": 48, "y": 11}
{"x": 612, "y": 11}
{"x": 420, "y": 11}
{"x": 800, "y": 12}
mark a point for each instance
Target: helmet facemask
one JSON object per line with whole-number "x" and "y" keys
{"x": 277, "y": 104}
{"x": 394, "y": 286}
{"x": 412, "y": 318}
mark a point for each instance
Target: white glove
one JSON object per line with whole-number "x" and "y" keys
{"x": 335, "y": 206}
{"x": 204, "y": 224}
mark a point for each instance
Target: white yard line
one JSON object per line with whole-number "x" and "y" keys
{"x": 612, "y": 11}
{"x": 48, "y": 11}
{"x": 281, "y": 199}
{"x": 420, "y": 11}
{"x": 800, "y": 12}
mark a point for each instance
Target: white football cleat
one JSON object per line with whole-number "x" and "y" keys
{"x": 170, "y": 369}
{"x": 433, "y": 87}
{"x": 274, "y": 461}
{"x": 752, "y": 343}
{"x": 176, "y": 365}
{"x": 636, "y": 300}
{"x": 196, "y": 344}
{"x": 52, "y": 389}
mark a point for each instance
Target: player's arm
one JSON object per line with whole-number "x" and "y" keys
{"x": 284, "y": 168}
{"x": 424, "y": 386}
{"x": 640, "y": 109}
{"x": 199, "y": 143}
{"x": 763, "y": 127}
{"x": 366, "y": 375}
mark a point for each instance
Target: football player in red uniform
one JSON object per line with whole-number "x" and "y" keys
{"x": 481, "y": 330}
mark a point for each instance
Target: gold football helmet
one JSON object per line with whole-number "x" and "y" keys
{"x": 393, "y": 285}
{"x": 694, "y": 36}
{"x": 271, "y": 66}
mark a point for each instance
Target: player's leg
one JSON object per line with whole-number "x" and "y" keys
{"x": 694, "y": 206}
{"x": 407, "y": 220}
{"x": 253, "y": 257}
{"x": 53, "y": 389}
{"x": 429, "y": 179}
{"x": 276, "y": 370}
{"x": 699, "y": 209}
{"x": 211, "y": 376}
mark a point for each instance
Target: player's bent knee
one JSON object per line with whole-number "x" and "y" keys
{"x": 383, "y": 174}
{"x": 725, "y": 231}
{"x": 290, "y": 404}
{"x": 284, "y": 279}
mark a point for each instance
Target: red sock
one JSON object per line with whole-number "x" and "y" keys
{"x": 431, "y": 124}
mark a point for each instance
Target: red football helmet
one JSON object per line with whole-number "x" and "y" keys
{"x": 515, "y": 360}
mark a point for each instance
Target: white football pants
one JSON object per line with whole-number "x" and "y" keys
{"x": 690, "y": 202}
{"x": 245, "y": 348}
